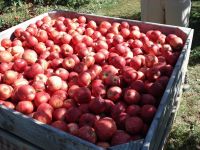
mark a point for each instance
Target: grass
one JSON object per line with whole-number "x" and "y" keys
{"x": 185, "y": 133}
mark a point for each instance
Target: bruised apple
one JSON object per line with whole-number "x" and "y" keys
{"x": 87, "y": 133}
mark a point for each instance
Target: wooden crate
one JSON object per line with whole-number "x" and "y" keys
{"x": 41, "y": 136}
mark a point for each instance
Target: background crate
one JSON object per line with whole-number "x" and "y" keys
{"x": 42, "y": 136}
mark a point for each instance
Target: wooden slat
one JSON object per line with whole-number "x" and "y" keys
{"x": 134, "y": 145}
{"x": 11, "y": 142}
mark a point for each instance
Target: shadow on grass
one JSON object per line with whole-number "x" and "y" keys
{"x": 187, "y": 141}
{"x": 195, "y": 24}
{"x": 135, "y": 16}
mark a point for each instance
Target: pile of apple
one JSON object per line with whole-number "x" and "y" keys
{"x": 100, "y": 81}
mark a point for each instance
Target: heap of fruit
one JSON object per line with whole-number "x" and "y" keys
{"x": 100, "y": 81}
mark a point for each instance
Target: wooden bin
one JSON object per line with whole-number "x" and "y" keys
{"x": 20, "y": 132}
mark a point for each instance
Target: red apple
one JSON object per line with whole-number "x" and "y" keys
{"x": 82, "y": 95}
{"x": 84, "y": 79}
{"x": 46, "y": 108}
{"x": 55, "y": 101}
{"x": 5, "y": 91}
{"x": 66, "y": 39}
{"x": 9, "y": 105}
{"x": 114, "y": 93}
{"x": 54, "y": 83}
{"x": 73, "y": 128}
{"x": 40, "y": 48}
{"x": 153, "y": 74}
{"x": 26, "y": 93}
{"x": 129, "y": 75}
{"x": 98, "y": 88}
{"x": 10, "y": 77}
{"x": 59, "y": 114}
{"x": 133, "y": 110}
{"x": 150, "y": 60}
{"x": 4, "y": 67}
{"x": 156, "y": 89}
{"x": 89, "y": 60}
{"x": 62, "y": 73}
{"x": 136, "y": 63}
{"x": 19, "y": 82}
{"x": 137, "y": 44}
{"x": 117, "y": 109}
{"x": 34, "y": 70}
{"x": 87, "y": 133}
{"x": 135, "y": 34}
{"x": 66, "y": 49}
{"x": 109, "y": 106}
{"x": 73, "y": 115}
{"x": 41, "y": 77}
{"x": 163, "y": 80}
{"x": 113, "y": 80}
{"x": 18, "y": 32}
{"x": 60, "y": 125}
{"x": 6, "y": 43}
{"x": 138, "y": 85}
{"x": 17, "y": 51}
{"x": 121, "y": 119}
{"x": 134, "y": 125}
{"x": 148, "y": 99}
{"x": 176, "y": 43}
{"x": 42, "y": 117}
{"x": 6, "y": 57}
{"x": 131, "y": 96}
{"x": 120, "y": 137}
{"x": 38, "y": 85}
{"x": 87, "y": 119}
{"x": 117, "y": 61}
{"x": 41, "y": 97}
{"x": 30, "y": 56}
{"x": 148, "y": 112}
{"x": 97, "y": 105}
{"x": 105, "y": 128}
{"x": 80, "y": 67}
{"x": 25, "y": 107}
{"x": 42, "y": 36}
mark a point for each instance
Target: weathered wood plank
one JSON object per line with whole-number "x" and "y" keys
{"x": 134, "y": 145}
{"x": 11, "y": 142}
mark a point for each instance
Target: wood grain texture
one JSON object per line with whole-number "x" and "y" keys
{"x": 134, "y": 145}
{"x": 11, "y": 142}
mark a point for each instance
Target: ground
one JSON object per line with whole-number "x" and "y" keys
{"x": 185, "y": 133}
